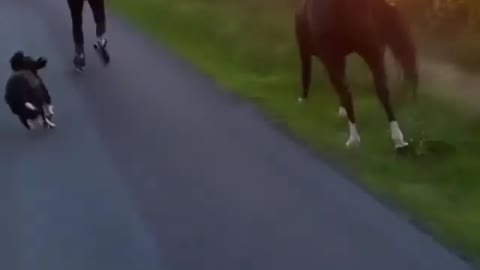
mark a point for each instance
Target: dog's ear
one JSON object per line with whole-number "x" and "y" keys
{"x": 19, "y": 54}
{"x": 17, "y": 61}
{"x": 41, "y": 62}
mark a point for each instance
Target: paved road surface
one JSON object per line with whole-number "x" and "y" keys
{"x": 153, "y": 168}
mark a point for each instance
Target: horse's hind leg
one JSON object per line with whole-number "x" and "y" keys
{"x": 335, "y": 65}
{"x": 305, "y": 56}
{"x": 306, "y": 74}
{"x": 374, "y": 59}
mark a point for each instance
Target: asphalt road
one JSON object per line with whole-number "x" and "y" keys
{"x": 152, "y": 167}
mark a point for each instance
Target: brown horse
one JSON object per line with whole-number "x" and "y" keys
{"x": 333, "y": 29}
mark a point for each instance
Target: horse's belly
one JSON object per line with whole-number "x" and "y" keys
{"x": 328, "y": 43}
{"x": 337, "y": 16}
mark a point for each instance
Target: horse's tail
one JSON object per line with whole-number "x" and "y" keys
{"x": 301, "y": 31}
{"x": 399, "y": 39}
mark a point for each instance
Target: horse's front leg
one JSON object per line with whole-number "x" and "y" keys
{"x": 375, "y": 62}
{"x": 342, "y": 112}
{"x": 335, "y": 65}
{"x": 305, "y": 53}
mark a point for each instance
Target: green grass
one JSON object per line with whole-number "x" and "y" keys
{"x": 249, "y": 48}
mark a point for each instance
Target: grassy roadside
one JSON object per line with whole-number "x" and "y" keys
{"x": 249, "y": 48}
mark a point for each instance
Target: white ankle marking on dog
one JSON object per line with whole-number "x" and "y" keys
{"x": 50, "y": 123}
{"x": 29, "y": 122}
{"x": 34, "y": 123}
{"x": 48, "y": 109}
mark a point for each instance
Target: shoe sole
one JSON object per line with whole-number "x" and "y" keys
{"x": 102, "y": 53}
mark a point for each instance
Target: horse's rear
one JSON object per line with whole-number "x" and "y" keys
{"x": 332, "y": 29}
{"x": 330, "y": 21}
{"x": 326, "y": 27}
{"x": 347, "y": 26}
{"x": 396, "y": 35}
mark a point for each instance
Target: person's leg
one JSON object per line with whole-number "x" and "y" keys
{"x": 76, "y": 12}
{"x": 98, "y": 10}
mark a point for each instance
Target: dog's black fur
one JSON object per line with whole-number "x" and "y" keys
{"x": 26, "y": 87}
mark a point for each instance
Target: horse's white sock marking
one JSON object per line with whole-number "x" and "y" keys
{"x": 354, "y": 137}
{"x": 397, "y": 135}
{"x": 342, "y": 113}
{"x": 30, "y": 106}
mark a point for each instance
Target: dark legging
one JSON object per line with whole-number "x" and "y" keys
{"x": 76, "y": 12}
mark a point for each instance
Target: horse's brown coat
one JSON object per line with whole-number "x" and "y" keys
{"x": 333, "y": 29}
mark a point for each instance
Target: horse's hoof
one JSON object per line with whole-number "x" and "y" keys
{"x": 352, "y": 142}
{"x": 342, "y": 113}
{"x": 400, "y": 145}
{"x": 404, "y": 150}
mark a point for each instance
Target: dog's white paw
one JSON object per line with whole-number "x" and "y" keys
{"x": 34, "y": 123}
{"x": 48, "y": 109}
{"x": 30, "y": 106}
{"x": 49, "y": 123}
{"x": 30, "y": 124}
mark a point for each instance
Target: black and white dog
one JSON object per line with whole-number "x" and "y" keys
{"x": 26, "y": 94}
